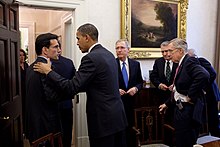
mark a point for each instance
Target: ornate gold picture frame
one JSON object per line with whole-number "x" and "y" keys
{"x": 147, "y": 23}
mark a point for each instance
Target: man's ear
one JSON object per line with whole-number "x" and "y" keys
{"x": 128, "y": 49}
{"x": 44, "y": 50}
{"x": 87, "y": 37}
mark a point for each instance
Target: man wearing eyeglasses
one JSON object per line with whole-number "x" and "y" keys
{"x": 128, "y": 87}
{"x": 162, "y": 77}
{"x": 189, "y": 82}
{"x": 41, "y": 107}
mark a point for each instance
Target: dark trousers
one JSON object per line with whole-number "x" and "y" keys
{"x": 186, "y": 129}
{"x": 130, "y": 137}
{"x": 168, "y": 119}
{"x": 66, "y": 116}
{"x": 114, "y": 140}
{"x": 213, "y": 120}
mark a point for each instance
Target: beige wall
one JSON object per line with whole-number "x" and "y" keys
{"x": 44, "y": 21}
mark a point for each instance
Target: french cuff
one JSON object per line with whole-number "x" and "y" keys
{"x": 159, "y": 86}
{"x": 136, "y": 89}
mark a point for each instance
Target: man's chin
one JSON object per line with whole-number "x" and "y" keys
{"x": 55, "y": 58}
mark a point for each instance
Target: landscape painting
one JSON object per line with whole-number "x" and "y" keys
{"x": 152, "y": 22}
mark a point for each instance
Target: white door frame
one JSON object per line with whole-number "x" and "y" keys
{"x": 31, "y": 39}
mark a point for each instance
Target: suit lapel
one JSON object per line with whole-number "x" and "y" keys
{"x": 163, "y": 67}
{"x": 181, "y": 65}
{"x": 131, "y": 69}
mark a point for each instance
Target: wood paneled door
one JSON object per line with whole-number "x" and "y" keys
{"x": 10, "y": 93}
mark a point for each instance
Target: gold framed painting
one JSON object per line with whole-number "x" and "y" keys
{"x": 147, "y": 23}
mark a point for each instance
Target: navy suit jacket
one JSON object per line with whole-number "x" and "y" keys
{"x": 212, "y": 90}
{"x": 98, "y": 77}
{"x": 190, "y": 81}
{"x": 64, "y": 67}
{"x": 41, "y": 108}
{"x": 157, "y": 76}
{"x": 135, "y": 77}
{"x": 135, "y": 80}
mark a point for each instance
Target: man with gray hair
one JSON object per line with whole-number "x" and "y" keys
{"x": 162, "y": 77}
{"x": 130, "y": 82}
{"x": 189, "y": 82}
{"x": 212, "y": 95}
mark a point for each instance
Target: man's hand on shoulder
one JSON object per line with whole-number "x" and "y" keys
{"x": 43, "y": 68}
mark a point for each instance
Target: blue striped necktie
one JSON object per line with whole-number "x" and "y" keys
{"x": 125, "y": 74}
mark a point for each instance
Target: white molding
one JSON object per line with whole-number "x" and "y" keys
{"x": 64, "y": 4}
{"x": 67, "y": 34}
{"x": 31, "y": 39}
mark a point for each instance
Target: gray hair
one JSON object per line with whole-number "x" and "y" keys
{"x": 165, "y": 43}
{"x": 125, "y": 41}
{"x": 191, "y": 52}
{"x": 179, "y": 43}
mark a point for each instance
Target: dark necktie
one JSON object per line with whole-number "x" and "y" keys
{"x": 125, "y": 74}
{"x": 168, "y": 71}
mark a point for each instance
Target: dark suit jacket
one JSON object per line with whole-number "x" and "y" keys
{"x": 65, "y": 68}
{"x": 191, "y": 80}
{"x": 98, "y": 77}
{"x": 41, "y": 109}
{"x": 212, "y": 91}
{"x": 157, "y": 76}
{"x": 135, "y": 80}
{"x": 135, "y": 77}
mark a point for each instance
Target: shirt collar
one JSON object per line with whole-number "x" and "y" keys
{"x": 181, "y": 59}
{"x": 93, "y": 46}
{"x": 43, "y": 57}
{"x": 126, "y": 61}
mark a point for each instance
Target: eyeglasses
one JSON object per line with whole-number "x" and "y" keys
{"x": 165, "y": 51}
{"x": 172, "y": 51}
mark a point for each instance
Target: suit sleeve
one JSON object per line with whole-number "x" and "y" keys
{"x": 154, "y": 76}
{"x": 200, "y": 78}
{"x": 50, "y": 90}
{"x": 79, "y": 82}
{"x": 73, "y": 67}
{"x": 139, "y": 78}
{"x": 207, "y": 65}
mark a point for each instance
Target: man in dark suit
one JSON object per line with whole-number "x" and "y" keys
{"x": 41, "y": 109}
{"x": 65, "y": 68}
{"x": 162, "y": 77}
{"x": 190, "y": 80}
{"x": 212, "y": 95}
{"x": 98, "y": 77}
{"x": 129, "y": 89}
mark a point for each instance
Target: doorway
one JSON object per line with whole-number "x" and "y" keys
{"x": 38, "y": 20}
{"x": 34, "y": 21}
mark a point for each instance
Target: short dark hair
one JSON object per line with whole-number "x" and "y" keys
{"x": 43, "y": 40}
{"x": 89, "y": 29}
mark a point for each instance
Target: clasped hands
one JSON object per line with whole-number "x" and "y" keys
{"x": 165, "y": 87}
{"x": 43, "y": 68}
{"x": 131, "y": 91}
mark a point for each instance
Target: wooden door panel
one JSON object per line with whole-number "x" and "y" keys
{"x": 10, "y": 99}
